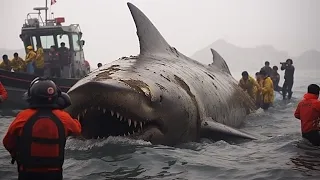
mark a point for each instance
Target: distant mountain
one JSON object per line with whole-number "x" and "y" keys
{"x": 252, "y": 59}
{"x": 238, "y": 58}
{"x": 10, "y": 53}
{"x": 308, "y": 60}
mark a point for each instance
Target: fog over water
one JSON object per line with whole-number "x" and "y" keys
{"x": 188, "y": 25}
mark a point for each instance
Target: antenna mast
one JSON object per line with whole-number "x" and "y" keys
{"x": 46, "y": 18}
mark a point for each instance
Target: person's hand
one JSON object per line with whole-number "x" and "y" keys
{"x": 13, "y": 157}
{"x": 13, "y": 160}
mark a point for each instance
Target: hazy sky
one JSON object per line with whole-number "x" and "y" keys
{"x": 188, "y": 25}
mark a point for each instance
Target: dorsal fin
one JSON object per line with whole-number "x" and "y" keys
{"x": 150, "y": 39}
{"x": 219, "y": 62}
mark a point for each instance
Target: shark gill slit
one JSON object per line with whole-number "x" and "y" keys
{"x": 185, "y": 87}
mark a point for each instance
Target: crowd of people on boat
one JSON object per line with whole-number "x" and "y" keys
{"x": 34, "y": 62}
{"x": 262, "y": 88}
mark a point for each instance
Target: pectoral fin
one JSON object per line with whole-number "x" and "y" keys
{"x": 217, "y": 131}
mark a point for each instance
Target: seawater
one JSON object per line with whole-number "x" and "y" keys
{"x": 279, "y": 152}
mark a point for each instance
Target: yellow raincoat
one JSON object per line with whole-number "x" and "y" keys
{"x": 39, "y": 59}
{"x": 258, "y": 92}
{"x": 267, "y": 90}
{"x": 250, "y": 86}
{"x": 5, "y": 66}
{"x": 30, "y": 56}
{"x": 18, "y": 64}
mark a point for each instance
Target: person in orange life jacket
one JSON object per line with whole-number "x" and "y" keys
{"x": 3, "y": 93}
{"x": 308, "y": 111}
{"x": 54, "y": 61}
{"x": 37, "y": 137}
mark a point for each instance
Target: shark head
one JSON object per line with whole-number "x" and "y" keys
{"x": 123, "y": 98}
{"x": 111, "y": 108}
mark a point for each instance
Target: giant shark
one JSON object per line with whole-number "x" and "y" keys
{"x": 161, "y": 95}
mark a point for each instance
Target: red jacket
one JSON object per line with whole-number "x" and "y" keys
{"x": 71, "y": 127}
{"x": 308, "y": 111}
{"x": 3, "y": 92}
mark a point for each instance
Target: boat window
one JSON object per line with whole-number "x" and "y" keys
{"x": 47, "y": 41}
{"x": 63, "y": 38}
{"x": 75, "y": 42}
{"x": 34, "y": 42}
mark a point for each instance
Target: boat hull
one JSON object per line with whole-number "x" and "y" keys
{"x": 17, "y": 84}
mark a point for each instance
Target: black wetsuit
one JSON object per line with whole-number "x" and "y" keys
{"x": 64, "y": 56}
{"x": 55, "y": 67}
{"x": 275, "y": 80}
{"x": 288, "y": 80}
{"x": 313, "y": 137}
{"x": 268, "y": 70}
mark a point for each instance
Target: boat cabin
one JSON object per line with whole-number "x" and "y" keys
{"x": 51, "y": 32}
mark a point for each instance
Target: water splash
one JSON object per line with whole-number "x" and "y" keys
{"x": 78, "y": 144}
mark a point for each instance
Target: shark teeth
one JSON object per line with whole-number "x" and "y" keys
{"x": 135, "y": 126}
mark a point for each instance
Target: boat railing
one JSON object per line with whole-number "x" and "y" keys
{"x": 75, "y": 27}
{"x": 34, "y": 19}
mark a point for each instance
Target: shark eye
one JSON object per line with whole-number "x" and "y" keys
{"x": 146, "y": 91}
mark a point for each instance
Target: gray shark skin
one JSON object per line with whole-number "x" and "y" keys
{"x": 160, "y": 96}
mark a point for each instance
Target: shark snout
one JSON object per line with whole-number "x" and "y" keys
{"x": 111, "y": 94}
{"x": 113, "y": 108}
